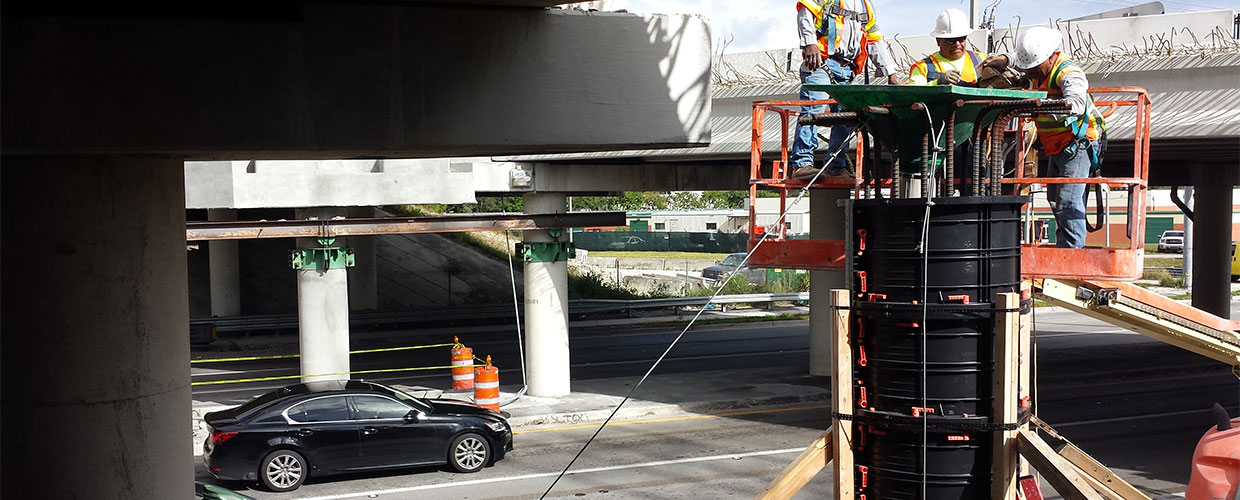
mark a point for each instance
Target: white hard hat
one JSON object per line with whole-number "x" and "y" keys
{"x": 1035, "y": 45}
{"x": 952, "y": 23}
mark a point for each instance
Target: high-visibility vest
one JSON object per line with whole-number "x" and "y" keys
{"x": 934, "y": 68}
{"x": 1058, "y": 134}
{"x": 829, "y": 16}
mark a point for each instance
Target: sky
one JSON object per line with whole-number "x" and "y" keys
{"x": 752, "y": 25}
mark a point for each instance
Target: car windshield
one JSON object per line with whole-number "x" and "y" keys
{"x": 410, "y": 400}
{"x": 732, "y": 260}
{"x": 1174, "y": 234}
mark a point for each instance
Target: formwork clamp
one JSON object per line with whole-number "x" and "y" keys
{"x": 547, "y": 251}
{"x": 321, "y": 258}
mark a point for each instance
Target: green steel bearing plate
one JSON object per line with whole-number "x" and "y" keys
{"x": 904, "y": 127}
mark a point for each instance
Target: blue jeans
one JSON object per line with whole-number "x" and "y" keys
{"x": 806, "y": 141}
{"x": 1068, "y": 200}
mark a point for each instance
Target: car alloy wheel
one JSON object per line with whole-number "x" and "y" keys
{"x": 469, "y": 453}
{"x": 283, "y": 470}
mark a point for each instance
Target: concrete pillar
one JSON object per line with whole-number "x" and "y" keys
{"x": 225, "y": 272}
{"x": 363, "y": 276}
{"x": 322, "y": 313}
{"x": 1187, "y": 252}
{"x": 1212, "y": 245}
{"x": 95, "y": 373}
{"x": 826, "y": 223}
{"x": 546, "y": 310}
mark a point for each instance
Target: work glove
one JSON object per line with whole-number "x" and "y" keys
{"x": 951, "y": 77}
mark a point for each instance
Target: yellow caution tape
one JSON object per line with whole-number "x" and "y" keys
{"x": 290, "y": 356}
{"x": 290, "y": 377}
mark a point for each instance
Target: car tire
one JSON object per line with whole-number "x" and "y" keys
{"x": 283, "y": 470}
{"x": 469, "y": 453}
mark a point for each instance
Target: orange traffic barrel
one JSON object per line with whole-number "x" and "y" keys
{"x": 462, "y": 367}
{"x": 486, "y": 386}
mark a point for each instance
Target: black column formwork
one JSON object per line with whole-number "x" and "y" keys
{"x": 922, "y": 328}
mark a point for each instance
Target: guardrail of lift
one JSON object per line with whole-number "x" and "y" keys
{"x": 492, "y": 311}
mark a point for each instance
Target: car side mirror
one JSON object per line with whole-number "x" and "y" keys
{"x": 413, "y": 416}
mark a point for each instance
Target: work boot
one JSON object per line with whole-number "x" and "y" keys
{"x": 805, "y": 172}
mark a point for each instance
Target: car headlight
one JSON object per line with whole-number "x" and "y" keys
{"x": 497, "y": 426}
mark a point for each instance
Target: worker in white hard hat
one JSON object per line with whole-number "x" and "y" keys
{"x": 837, "y": 38}
{"x": 954, "y": 63}
{"x": 1074, "y": 142}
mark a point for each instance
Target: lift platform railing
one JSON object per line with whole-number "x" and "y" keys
{"x": 779, "y": 248}
{"x": 893, "y": 117}
{"x": 1116, "y": 262}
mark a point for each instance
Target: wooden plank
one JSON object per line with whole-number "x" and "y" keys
{"x": 1057, "y": 471}
{"x": 1026, "y": 362}
{"x": 800, "y": 471}
{"x": 842, "y": 394}
{"x": 1103, "y": 480}
{"x": 1007, "y": 395}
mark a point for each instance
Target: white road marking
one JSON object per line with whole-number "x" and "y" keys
{"x": 1134, "y": 417}
{"x": 731, "y": 456}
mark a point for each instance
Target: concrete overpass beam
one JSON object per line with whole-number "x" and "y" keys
{"x": 225, "y": 272}
{"x": 546, "y": 309}
{"x": 346, "y": 79}
{"x": 96, "y": 338}
{"x": 1212, "y": 243}
{"x": 322, "y": 312}
{"x": 826, "y": 223}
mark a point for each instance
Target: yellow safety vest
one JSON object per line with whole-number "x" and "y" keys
{"x": 933, "y": 67}
{"x": 1058, "y": 134}
{"x": 829, "y": 16}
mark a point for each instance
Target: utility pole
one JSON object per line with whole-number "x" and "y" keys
{"x": 973, "y": 14}
{"x": 1187, "y": 249}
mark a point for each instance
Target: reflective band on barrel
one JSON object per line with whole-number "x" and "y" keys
{"x": 486, "y": 385}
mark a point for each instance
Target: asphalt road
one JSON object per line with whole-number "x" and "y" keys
{"x": 1135, "y": 404}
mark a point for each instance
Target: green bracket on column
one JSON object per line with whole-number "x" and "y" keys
{"x": 546, "y": 251}
{"x": 322, "y": 258}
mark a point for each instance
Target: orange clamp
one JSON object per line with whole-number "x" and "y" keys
{"x": 918, "y": 411}
{"x": 860, "y": 241}
{"x": 963, "y": 298}
{"x": 861, "y": 279}
{"x": 910, "y": 324}
{"x": 865, "y": 475}
{"x": 862, "y": 402}
{"x": 875, "y": 297}
{"x": 861, "y": 361}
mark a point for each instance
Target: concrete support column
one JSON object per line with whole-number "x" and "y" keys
{"x": 322, "y": 312}
{"x": 826, "y": 223}
{"x": 363, "y": 276}
{"x": 225, "y": 269}
{"x": 546, "y": 310}
{"x": 1212, "y": 244}
{"x": 95, "y": 317}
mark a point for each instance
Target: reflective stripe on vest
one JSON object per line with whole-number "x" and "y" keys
{"x": 1057, "y": 134}
{"x": 968, "y": 77}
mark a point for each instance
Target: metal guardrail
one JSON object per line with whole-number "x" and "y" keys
{"x": 489, "y": 311}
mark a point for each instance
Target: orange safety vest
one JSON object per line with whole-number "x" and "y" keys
{"x": 934, "y": 68}
{"x": 831, "y": 26}
{"x": 1057, "y": 134}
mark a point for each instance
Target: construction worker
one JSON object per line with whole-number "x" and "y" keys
{"x": 1074, "y": 142}
{"x": 837, "y": 37}
{"x": 954, "y": 63}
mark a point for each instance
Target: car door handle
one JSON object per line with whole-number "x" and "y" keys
{"x": 303, "y": 432}
{"x": 366, "y": 431}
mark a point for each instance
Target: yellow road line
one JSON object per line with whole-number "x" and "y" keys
{"x": 676, "y": 419}
{"x": 290, "y": 377}
{"x": 288, "y": 356}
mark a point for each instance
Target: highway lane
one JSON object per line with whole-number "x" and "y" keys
{"x": 1134, "y": 403}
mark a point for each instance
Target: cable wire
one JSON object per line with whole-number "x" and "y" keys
{"x": 770, "y": 229}
{"x": 516, "y": 309}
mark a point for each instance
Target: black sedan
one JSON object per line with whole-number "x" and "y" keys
{"x": 321, "y": 428}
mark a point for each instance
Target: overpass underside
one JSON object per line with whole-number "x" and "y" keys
{"x": 104, "y": 106}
